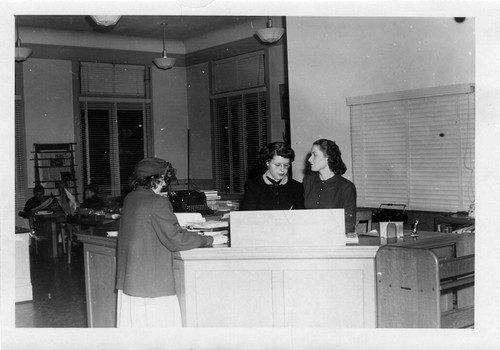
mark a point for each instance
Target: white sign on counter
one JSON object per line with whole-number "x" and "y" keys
{"x": 287, "y": 228}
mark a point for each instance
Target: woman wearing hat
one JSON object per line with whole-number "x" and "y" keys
{"x": 149, "y": 233}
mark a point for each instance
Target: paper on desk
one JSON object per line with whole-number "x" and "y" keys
{"x": 187, "y": 219}
{"x": 210, "y": 225}
{"x": 352, "y": 238}
{"x": 373, "y": 233}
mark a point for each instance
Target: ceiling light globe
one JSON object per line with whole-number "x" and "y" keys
{"x": 106, "y": 20}
{"x": 22, "y": 53}
{"x": 164, "y": 62}
{"x": 270, "y": 35}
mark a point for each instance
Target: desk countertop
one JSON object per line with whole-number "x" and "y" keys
{"x": 367, "y": 247}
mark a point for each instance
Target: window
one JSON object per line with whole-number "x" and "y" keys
{"x": 115, "y": 136}
{"x": 115, "y": 123}
{"x": 415, "y": 148}
{"x": 239, "y": 119}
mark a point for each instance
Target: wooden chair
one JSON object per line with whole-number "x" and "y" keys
{"x": 68, "y": 232}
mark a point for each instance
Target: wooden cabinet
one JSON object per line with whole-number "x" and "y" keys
{"x": 445, "y": 223}
{"x": 24, "y": 289}
{"x": 100, "y": 277}
{"x": 427, "y": 284}
{"x": 55, "y": 164}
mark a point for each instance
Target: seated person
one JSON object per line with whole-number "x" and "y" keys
{"x": 91, "y": 198}
{"x": 274, "y": 190}
{"x": 35, "y": 201}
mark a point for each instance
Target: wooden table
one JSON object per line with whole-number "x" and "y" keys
{"x": 47, "y": 227}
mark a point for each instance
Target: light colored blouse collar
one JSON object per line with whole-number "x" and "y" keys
{"x": 266, "y": 180}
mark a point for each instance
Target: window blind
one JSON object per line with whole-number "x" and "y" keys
{"x": 239, "y": 129}
{"x": 238, "y": 73}
{"x": 115, "y": 137}
{"x": 107, "y": 79}
{"x": 415, "y": 148}
{"x": 21, "y": 195}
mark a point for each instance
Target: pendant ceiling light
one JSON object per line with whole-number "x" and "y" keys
{"x": 106, "y": 20}
{"x": 270, "y": 34}
{"x": 164, "y": 62}
{"x": 22, "y": 53}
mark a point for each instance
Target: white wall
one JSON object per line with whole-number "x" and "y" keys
{"x": 332, "y": 58}
{"x": 48, "y": 103}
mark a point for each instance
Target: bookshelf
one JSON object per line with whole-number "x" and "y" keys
{"x": 55, "y": 163}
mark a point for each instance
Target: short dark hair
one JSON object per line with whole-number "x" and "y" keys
{"x": 332, "y": 151}
{"x": 275, "y": 149}
{"x": 38, "y": 188}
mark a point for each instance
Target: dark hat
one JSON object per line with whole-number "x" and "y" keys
{"x": 149, "y": 167}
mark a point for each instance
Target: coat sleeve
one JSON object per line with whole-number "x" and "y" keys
{"x": 170, "y": 233}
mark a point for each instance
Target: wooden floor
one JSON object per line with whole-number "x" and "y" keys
{"x": 58, "y": 293}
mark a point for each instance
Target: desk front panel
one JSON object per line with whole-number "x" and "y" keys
{"x": 331, "y": 292}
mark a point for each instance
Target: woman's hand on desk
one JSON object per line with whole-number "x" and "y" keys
{"x": 220, "y": 239}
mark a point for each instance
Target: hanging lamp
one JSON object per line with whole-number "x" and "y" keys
{"x": 22, "y": 53}
{"x": 106, "y": 20}
{"x": 270, "y": 34}
{"x": 164, "y": 62}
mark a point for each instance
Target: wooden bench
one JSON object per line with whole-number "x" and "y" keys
{"x": 426, "y": 285}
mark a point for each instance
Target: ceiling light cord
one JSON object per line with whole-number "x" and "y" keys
{"x": 164, "y": 50}
{"x": 164, "y": 62}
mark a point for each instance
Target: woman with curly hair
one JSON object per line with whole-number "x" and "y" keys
{"x": 274, "y": 190}
{"x": 326, "y": 188}
{"x": 149, "y": 234}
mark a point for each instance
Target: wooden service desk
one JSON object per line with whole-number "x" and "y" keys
{"x": 100, "y": 273}
{"x": 254, "y": 287}
{"x": 277, "y": 287}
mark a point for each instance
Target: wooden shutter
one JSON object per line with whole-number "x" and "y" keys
{"x": 415, "y": 148}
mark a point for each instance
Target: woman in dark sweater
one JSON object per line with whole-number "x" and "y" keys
{"x": 274, "y": 190}
{"x": 325, "y": 188}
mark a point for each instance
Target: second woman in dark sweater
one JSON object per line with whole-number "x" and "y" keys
{"x": 274, "y": 190}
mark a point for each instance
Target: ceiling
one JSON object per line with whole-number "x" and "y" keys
{"x": 178, "y": 27}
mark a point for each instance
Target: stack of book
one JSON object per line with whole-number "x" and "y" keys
{"x": 212, "y": 199}
{"x": 210, "y": 228}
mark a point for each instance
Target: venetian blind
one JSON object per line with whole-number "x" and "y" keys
{"x": 21, "y": 195}
{"x": 239, "y": 129}
{"x": 107, "y": 79}
{"x": 115, "y": 136}
{"x": 415, "y": 148}
{"x": 238, "y": 73}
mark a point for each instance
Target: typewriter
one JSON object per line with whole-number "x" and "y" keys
{"x": 190, "y": 201}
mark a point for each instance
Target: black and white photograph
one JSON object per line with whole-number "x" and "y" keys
{"x": 216, "y": 174}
